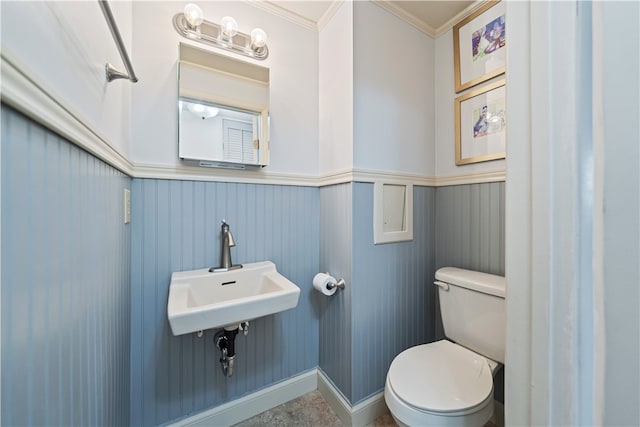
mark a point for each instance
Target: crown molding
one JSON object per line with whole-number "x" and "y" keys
{"x": 284, "y": 13}
{"x": 326, "y": 17}
{"x": 459, "y": 17}
{"x": 384, "y": 4}
{"x": 296, "y": 18}
{"x": 423, "y": 26}
{"x": 406, "y": 16}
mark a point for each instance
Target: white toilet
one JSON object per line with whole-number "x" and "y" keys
{"x": 451, "y": 384}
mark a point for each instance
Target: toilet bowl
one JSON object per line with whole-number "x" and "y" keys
{"x": 440, "y": 384}
{"x": 447, "y": 383}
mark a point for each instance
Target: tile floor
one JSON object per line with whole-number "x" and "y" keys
{"x": 310, "y": 410}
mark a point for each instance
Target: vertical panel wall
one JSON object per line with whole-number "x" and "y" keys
{"x": 176, "y": 227}
{"x": 393, "y": 299}
{"x": 619, "y": 152}
{"x": 65, "y": 282}
{"x": 470, "y": 227}
{"x": 336, "y": 245}
{"x": 470, "y": 230}
{"x": 388, "y": 304}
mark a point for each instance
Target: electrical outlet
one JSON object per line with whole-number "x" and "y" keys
{"x": 127, "y": 206}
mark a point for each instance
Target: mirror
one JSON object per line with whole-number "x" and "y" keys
{"x": 222, "y": 110}
{"x": 214, "y": 132}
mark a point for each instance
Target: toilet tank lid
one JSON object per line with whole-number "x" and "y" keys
{"x": 474, "y": 280}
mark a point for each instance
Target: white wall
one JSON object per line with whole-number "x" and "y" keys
{"x": 393, "y": 94}
{"x": 445, "y": 156}
{"x": 376, "y": 93}
{"x": 620, "y": 144}
{"x": 336, "y": 92}
{"x": 313, "y": 84}
{"x": 204, "y": 137}
{"x": 63, "y": 48}
{"x": 293, "y": 64}
{"x": 572, "y": 209}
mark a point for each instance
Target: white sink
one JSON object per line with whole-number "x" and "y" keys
{"x": 200, "y": 300}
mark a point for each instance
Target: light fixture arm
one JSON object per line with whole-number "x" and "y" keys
{"x": 211, "y": 33}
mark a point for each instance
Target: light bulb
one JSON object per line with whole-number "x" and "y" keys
{"x": 193, "y": 14}
{"x": 258, "y": 38}
{"x": 197, "y": 108}
{"x": 211, "y": 112}
{"x": 229, "y": 27}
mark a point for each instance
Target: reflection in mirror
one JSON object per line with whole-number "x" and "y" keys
{"x": 218, "y": 133}
{"x": 223, "y": 108}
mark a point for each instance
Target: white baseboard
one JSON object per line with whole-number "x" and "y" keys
{"x": 359, "y": 415}
{"x": 334, "y": 398}
{"x": 248, "y": 406}
{"x": 368, "y": 410}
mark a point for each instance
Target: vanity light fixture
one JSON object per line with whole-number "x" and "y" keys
{"x": 203, "y": 111}
{"x": 192, "y": 25}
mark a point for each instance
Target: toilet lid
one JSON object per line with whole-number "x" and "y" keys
{"x": 441, "y": 377}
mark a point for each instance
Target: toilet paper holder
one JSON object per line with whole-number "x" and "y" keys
{"x": 340, "y": 284}
{"x": 326, "y": 284}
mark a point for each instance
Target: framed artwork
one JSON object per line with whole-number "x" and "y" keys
{"x": 479, "y": 46}
{"x": 481, "y": 124}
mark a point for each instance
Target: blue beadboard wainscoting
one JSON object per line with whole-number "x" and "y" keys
{"x": 85, "y": 335}
{"x": 176, "y": 227}
{"x": 336, "y": 258}
{"x": 388, "y": 304}
{"x": 470, "y": 230}
{"x": 393, "y": 296}
{"x": 470, "y": 227}
{"x": 65, "y": 282}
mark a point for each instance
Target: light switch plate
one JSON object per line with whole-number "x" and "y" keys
{"x": 127, "y": 206}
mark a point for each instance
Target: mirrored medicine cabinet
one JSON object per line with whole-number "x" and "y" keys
{"x": 223, "y": 110}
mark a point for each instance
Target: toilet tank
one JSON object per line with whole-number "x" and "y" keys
{"x": 473, "y": 307}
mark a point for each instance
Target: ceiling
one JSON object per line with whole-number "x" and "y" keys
{"x": 433, "y": 13}
{"x": 428, "y": 14}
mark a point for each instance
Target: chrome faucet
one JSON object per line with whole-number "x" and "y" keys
{"x": 225, "y": 254}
